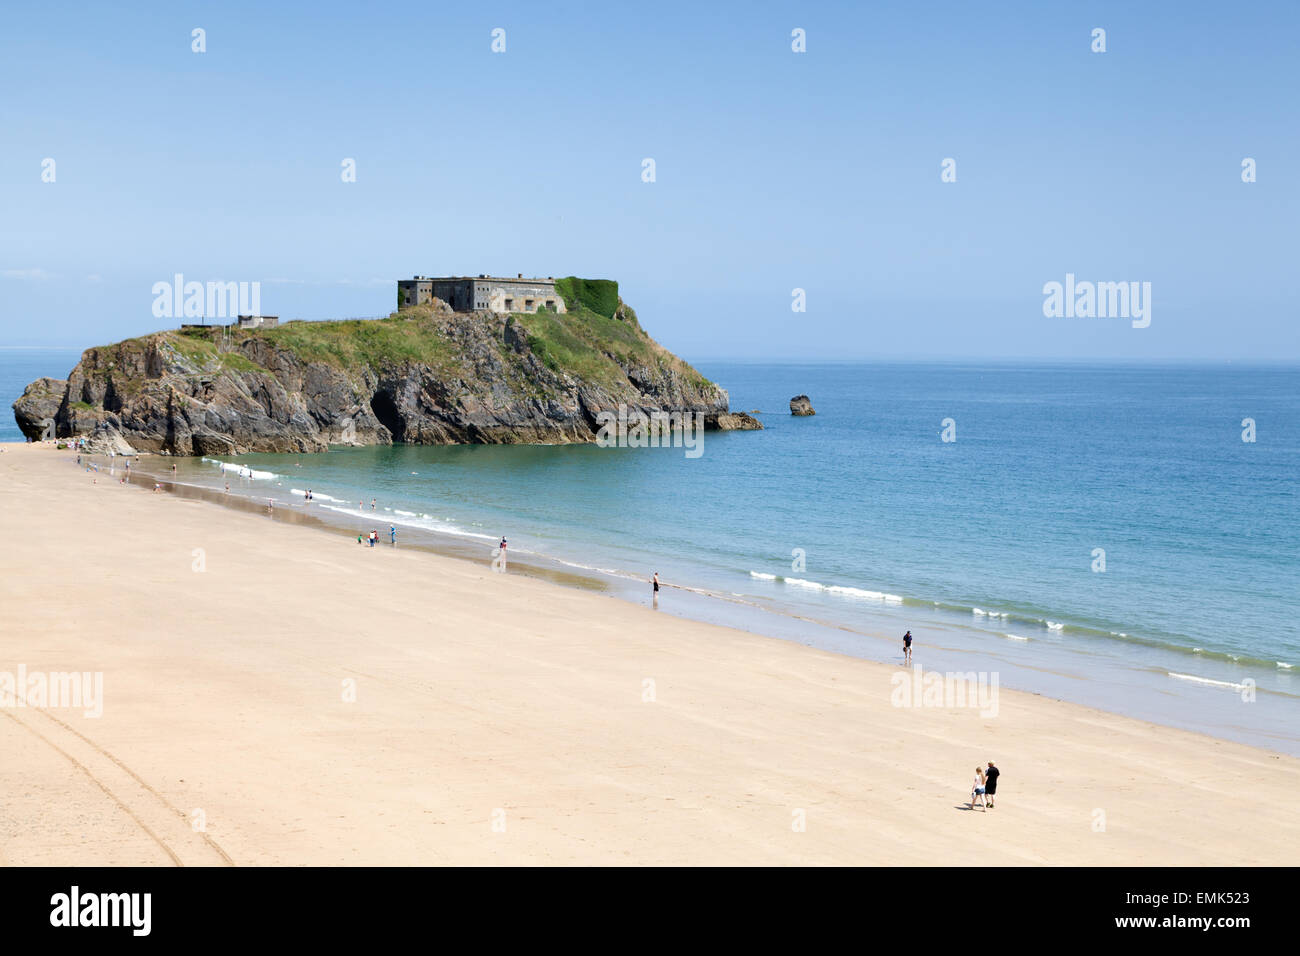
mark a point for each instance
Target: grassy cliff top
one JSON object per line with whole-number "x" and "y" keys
{"x": 581, "y": 343}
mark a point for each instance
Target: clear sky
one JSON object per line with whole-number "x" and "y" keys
{"x": 774, "y": 170}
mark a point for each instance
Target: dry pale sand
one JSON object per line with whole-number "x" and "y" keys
{"x": 500, "y": 719}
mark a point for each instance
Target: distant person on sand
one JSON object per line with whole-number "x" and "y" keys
{"x": 373, "y": 536}
{"x": 502, "y": 545}
{"x": 907, "y": 648}
{"x": 991, "y": 784}
{"x": 654, "y": 581}
{"x": 977, "y": 790}
{"x": 392, "y": 534}
{"x": 360, "y": 539}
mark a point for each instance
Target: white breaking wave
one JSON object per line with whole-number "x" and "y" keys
{"x": 1015, "y": 637}
{"x": 839, "y": 590}
{"x": 242, "y": 470}
{"x": 315, "y": 495}
{"x": 1053, "y": 626}
{"x": 1284, "y": 665}
{"x": 441, "y": 527}
{"x": 865, "y": 595}
{"x": 1205, "y": 680}
{"x": 801, "y": 583}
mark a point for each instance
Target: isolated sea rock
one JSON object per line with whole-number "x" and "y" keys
{"x": 800, "y": 405}
{"x": 423, "y": 376}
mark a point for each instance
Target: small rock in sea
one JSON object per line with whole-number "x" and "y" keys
{"x": 799, "y": 405}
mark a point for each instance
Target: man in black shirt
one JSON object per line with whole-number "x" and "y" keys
{"x": 990, "y": 783}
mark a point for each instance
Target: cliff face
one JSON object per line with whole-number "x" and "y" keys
{"x": 426, "y": 377}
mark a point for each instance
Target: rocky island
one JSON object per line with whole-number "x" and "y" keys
{"x": 801, "y": 405}
{"x": 423, "y": 375}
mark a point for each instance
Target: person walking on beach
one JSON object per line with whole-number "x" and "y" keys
{"x": 374, "y": 535}
{"x": 907, "y": 648}
{"x": 977, "y": 790}
{"x": 392, "y": 534}
{"x": 991, "y": 784}
{"x": 654, "y": 581}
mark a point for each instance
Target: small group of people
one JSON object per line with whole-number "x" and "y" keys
{"x": 307, "y": 495}
{"x": 985, "y": 786}
{"x": 373, "y": 536}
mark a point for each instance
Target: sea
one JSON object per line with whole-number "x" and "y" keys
{"x": 1120, "y": 536}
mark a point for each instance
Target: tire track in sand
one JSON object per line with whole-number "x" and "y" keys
{"x": 165, "y": 824}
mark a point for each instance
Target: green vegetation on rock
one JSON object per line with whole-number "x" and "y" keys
{"x": 424, "y": 375}
{"x": 598, "y": 295}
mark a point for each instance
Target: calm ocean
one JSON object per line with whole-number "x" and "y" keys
{"x": 1099, "y": 534}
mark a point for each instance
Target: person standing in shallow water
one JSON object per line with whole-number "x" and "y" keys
{"x": 654, "y": 581}
{"x": 907, "y": 648}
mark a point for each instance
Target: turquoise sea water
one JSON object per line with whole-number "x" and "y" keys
{"x": 851, "y": 526}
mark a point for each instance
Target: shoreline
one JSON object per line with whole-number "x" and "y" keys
{"x": 1141, "y": 678}
{"x": 478, "y": 692}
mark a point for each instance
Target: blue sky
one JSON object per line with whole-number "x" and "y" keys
{"x": 774, "y": 170}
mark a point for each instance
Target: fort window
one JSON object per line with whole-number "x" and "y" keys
{"x": 528, "y": 304}
{"x": 510, "y": 303}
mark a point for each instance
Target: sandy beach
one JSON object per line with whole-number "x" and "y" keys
{"x": 277, "y": 694}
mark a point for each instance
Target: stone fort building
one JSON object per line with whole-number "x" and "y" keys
{"x": 481, "y": 294}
